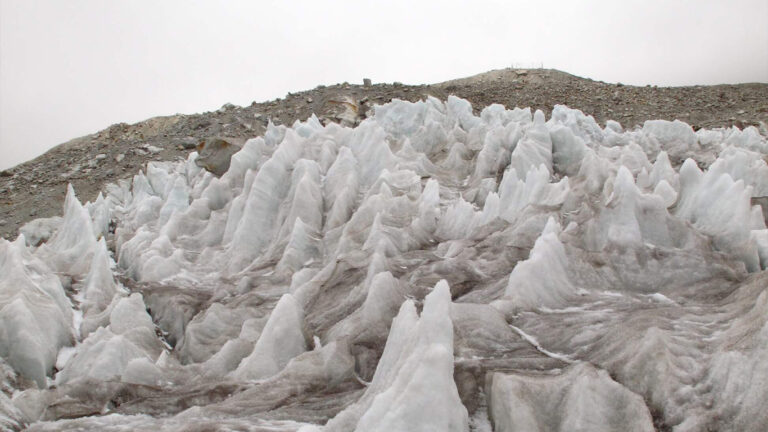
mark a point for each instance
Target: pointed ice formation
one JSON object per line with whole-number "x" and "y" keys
{"x": 70, "y": 249}
{"x": 413, "y": 387}
{"x": 720, "y": 207}
{"x": 28, "y": 292}
{"x": 107, "y": 352}
{"x": 516, "y": 194}
{"x": 542, "y": 280}
{"x": 101, "y": 215}
{"x": 534, "y": 148}
{"x": 370, "y": 323}
{"x": 281, "y": 340}
{"x": 256, "y": 227}
{"x": 99, "y": 287}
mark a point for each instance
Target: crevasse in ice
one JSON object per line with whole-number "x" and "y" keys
{"x": 430, "y": 269}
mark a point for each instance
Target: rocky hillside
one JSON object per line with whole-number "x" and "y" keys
{"x": 37, "y": 188}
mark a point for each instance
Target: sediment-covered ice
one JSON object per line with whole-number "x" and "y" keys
{"x": 579, "y": 398}
{"x": 434, "y": 268}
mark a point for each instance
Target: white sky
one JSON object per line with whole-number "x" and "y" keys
{"x": 69, "y": 68}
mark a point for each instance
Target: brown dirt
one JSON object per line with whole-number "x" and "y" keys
{"x": 36, "y": 188}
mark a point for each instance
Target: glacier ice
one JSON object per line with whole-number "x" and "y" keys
{"x": 432, "y": 268}
{"x": 281, "y": 340}
{"x": 578, "y": 398}
{"x": 35, "y": 313}
{"x": 40, "y": 230}
{"x": 413, "y": 387}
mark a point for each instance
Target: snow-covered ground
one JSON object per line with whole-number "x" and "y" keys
{"x": 428, "y": 270}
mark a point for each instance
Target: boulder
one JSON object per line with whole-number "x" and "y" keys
{"x": 215, "y": 155}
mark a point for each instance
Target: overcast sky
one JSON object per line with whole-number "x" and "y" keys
{"x": 70, "y": 68}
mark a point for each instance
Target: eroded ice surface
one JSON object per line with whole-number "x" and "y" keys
{"x": 428, "y": 270}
